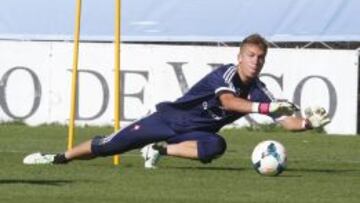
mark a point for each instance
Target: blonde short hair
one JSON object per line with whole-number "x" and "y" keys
{"x": 255, "y": 39}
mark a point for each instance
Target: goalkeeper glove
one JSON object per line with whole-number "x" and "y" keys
{"x": 316, "y": 117}
{"x": 277, "y": 108}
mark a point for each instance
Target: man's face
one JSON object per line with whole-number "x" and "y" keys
{"x": 251, "y": 60}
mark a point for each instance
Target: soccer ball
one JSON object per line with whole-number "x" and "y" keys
{"x": 269, "y": 158}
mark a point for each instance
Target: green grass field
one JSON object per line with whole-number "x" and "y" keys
{"x": 321, "y": 168}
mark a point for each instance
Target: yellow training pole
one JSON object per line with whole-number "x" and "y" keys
{"x": 116, "y": 158}
{"x": 74, "y": 75}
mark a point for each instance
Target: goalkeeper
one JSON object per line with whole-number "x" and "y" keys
{"x": 188, "y": 127}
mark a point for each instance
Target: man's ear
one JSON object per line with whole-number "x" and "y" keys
{"x": 239, "y": 57}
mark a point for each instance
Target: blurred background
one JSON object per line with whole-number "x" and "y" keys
{"x": 314, "y": 55}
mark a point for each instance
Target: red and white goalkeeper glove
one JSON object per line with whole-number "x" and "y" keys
{"x": 316, "y": 117}
{"x": 281, "y": 108}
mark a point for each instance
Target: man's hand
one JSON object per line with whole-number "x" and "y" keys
{"x": 279, "y": 108}
{"x": 316, "y": 117}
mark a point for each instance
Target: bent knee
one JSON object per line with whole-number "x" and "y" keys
{"x": 211, "y": 149}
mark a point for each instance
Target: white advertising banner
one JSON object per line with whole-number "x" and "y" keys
{"x": 35, "y": 80}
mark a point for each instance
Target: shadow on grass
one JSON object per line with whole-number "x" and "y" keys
{"x": 207, "y": 168}
{"x": 289, "y": 173}
{"x": 36, "y": 182}
{"x": 335, "y": 171}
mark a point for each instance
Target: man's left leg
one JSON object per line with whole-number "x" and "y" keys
{"x": 199, "y": 145}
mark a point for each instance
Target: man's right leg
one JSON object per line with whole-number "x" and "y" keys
{"x": 81, "y": 151}
{"x": 147, "y": 130}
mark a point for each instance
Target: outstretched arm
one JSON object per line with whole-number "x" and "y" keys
{"x": 315, "y": 117}
{"x": 293, "y": 123}
{"x": 232, "y": 103}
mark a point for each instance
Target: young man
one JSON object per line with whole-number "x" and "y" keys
{"x": 187, "y": 127}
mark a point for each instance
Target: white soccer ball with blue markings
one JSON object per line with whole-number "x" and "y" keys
{"x": 269, "y": 158}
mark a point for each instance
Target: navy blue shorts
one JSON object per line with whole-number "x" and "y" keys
{"x": 153, "y": 129}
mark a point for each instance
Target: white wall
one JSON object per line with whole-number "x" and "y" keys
{"x": 36, "y": 77}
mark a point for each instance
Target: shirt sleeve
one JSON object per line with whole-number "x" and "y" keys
{"x": 259, "y": 93}
{"x": 222, "y": 80}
